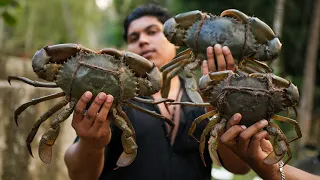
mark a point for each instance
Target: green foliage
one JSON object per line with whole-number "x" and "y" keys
{"x": 9, "y": 18}
{"x": 7, "y": 11}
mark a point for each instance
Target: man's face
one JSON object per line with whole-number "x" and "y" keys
{"x": 145, "y": 37}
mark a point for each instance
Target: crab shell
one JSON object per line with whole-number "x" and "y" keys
{"x": 255, "y": 96}
{"x": 247, "y": 37}
{"x": 137, "y": 75}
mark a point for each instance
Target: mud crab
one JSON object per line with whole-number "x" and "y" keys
{"x": 255, "y": 96}
{"x": 76, "y": 69}
{"x": 250, "y": 40}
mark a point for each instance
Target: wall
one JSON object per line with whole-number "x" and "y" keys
{"x": 15, "y": 161}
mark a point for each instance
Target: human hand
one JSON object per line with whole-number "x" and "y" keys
{"x": 223, "y": 57}
{"x": 93, "y": 128}
{"x": 251, "y": 144}
{"x": 224, "y": 61}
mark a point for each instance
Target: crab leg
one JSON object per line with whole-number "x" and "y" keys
{"x": 31, "y": 82}
{"x": 151, "y": 101}
{"x": 152, "y": 113}
{"x": 213, "y": 143}
{"x": 24, "y": 106}
{"x": 166, "y": 86}
{"x": 281, "y": 145}
{"x": 178, "y": 62}
{"x": 254, "y": 66}
{"x": 169, "y": 69}
{"x": 180, "y": 56}
{"x": 205, "y": 132}
{"x": 125, "y": 117}
{"x": 198, "y": 120}
{"x": 291, "y": 121}
{"x": 127, "y": 138}
{"x": 190, "y": 104}
{"x": 192, "y": 88}
{"x": 49, "y": 138}
{"x": 42, "y": 119}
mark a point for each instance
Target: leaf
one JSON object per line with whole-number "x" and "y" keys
{"x": 9, "y": 18}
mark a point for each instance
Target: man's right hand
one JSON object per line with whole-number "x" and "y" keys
{"x": 93, "y": 127}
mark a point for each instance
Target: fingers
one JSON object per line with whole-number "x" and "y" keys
{"x": 245, "y": 136}
{"x": 80, "y": 106}
{"x": 255, "y": 142}
{"x": 101, "y": 118}
{"x": 211, "y": 63}
{"x": 205, "y": 67}
{"x": 222, "y": 56}
{"x": 238, "y": 137}
{"x": 94, "y": 108}
{"x": 234, "y": 120}
{"x": 229, "y": 138}
{"x": 229, "y": 58}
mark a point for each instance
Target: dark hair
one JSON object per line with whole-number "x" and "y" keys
{"x": 149, "y": 9}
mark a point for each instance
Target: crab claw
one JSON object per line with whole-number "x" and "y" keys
{"x": 130, "y": 151}
{"x": 48, "y": 60}
{"x": 272, "y": 158}
{"x": 261, "y": 31}
{"x": 212, "y": 79}
{"x": 176, "y": 27}
{"x": 46, "y": 143}
{"x": 280, "y": 145}
{"x": 192, "y": 88}
{"x": 142, "y": 67}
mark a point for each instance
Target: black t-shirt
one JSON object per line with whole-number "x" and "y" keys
{"x": 157, "y": 159}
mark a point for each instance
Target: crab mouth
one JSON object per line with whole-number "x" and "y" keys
{"x": 147, "y": 53}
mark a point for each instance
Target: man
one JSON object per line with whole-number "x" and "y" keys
{"x": 94, "y": 155}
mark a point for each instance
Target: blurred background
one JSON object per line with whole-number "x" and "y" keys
{"x": 28, "y": 25}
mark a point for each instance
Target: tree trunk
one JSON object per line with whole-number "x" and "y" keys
{"x": 307, "y": 93}
{"x": 277, "y": 28}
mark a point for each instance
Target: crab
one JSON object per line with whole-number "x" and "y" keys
{"x": 251, "y": 41}
{"x": 255, "y": 96}
{"x": 76, "y": 69}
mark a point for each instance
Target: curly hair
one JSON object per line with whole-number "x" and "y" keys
{"x": 149, "y": 9}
